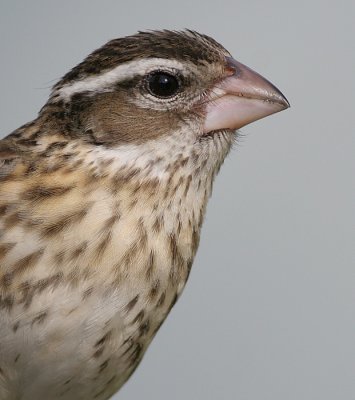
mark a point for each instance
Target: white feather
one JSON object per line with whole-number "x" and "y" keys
{"x": 104, "y": 81}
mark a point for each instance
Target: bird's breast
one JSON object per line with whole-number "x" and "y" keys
{"x": 91, "y": 268}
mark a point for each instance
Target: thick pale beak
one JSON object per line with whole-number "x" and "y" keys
{"x": 242, "y": 97}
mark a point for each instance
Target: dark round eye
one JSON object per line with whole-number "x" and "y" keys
{"x": 163, "y": 84}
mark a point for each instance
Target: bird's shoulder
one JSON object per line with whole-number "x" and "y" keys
{"x": 11, "y": 157}
{"x": 17, "y": 149}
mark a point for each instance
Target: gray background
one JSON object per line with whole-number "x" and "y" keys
{"x": 268, "y": 312}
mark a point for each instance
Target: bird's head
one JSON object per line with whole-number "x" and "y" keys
{"x": 174, "y": 93}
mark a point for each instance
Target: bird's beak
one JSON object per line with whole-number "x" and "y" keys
{"x": 242, "y": 97}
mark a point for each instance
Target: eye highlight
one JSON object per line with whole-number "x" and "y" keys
{"x": 163, "y": 84}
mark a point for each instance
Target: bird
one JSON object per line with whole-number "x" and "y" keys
{"x": 102, "y": 199}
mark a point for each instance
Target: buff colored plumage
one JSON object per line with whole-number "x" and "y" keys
{"x": 102, "y": 198}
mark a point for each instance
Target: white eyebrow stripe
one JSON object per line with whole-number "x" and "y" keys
{"x": 102, "y": 83}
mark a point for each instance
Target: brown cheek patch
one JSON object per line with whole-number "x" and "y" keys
{"x": 114, "y": 120}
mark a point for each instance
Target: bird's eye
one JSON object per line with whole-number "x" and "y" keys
{"x": 162, "y": 84}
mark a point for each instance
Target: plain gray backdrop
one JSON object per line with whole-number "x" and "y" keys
{"x": 269, "y": 310}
